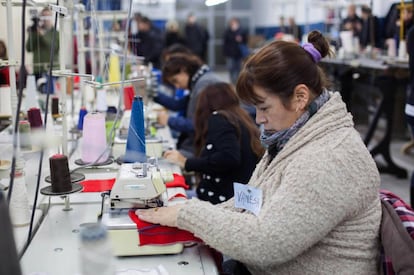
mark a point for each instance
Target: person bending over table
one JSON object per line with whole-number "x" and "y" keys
{"x": 185, "y": 71}
{"x": 312, "y": 204}
{"x": 227, "y": 144}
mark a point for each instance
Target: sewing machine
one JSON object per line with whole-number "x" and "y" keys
{"x": 138, "y": 185}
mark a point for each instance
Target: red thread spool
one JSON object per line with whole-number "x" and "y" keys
{"x": 35, "y": 119}
{"x": 129, "y": 94}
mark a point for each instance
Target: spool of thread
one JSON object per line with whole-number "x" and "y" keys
{"x": 114, "y": 69}
{"x": 347, "y": 41}
{"x": 135, "y": 147}
{"x": 19, "y": 201}
{"x": 55, "y": 107}
{"x": 5, "y": 101}
{"x": 59, "y": 174}
{"x": 402, "y": 50}
{"x": 111, "y": 113}
{"x": 35, "y": 118}
{"x": 82, "y": 114}
{"x": 101, "y": 104}
{"x": 96, "y": 252}
{"x": 89, "y": 94}
{"x": 24, "y": 135}
{"x": 129, "y": 94}
{"x": 94, "y": 138}
{"x": 31, "y": 99}
{"x": 391, "y": 47}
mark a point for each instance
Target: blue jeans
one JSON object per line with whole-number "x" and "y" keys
{"x": 234, "y": 66}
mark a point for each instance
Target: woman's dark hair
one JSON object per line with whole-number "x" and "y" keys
{"x": 222, "y": 98}
{"x": 180, "y": 62}
{"x": 280, "y": 66}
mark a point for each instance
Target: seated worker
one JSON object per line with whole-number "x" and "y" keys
{"x": 185, "y": 71}
{"x": 313, "y": 204}
{"x": 173, "y": 103}
{"x": 227, "y": 144}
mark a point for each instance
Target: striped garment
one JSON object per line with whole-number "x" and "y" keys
{"x": 406, "y": 215}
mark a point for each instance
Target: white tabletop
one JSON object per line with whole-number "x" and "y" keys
{"x": 55, "y": 248}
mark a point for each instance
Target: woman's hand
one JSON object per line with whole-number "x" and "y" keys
{"x": 166, "y": 216}
{"x": 162, "y": 118}
{"x": 175, "y": 157}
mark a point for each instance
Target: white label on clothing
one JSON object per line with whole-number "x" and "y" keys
{"x": 247, "y": 197}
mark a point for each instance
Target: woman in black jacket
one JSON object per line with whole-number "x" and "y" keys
{"x": 227, "y": 144}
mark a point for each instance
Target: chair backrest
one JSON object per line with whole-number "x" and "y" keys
{"x": 397, "y": 235}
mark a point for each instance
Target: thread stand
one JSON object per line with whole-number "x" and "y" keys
{"x": 76, "y": 187}
{"x": 67, "y": 204}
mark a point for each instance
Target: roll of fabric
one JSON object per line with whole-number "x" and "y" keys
{"x": 135, "y": 147}
{"x": 94, "y": 144}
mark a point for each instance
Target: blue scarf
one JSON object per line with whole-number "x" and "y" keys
{"x": 275, "y": 141}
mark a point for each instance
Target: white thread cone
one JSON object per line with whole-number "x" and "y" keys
{"x": 5, "y": 101}
{"x": 19, "y": 203}
{"x": 31, "y": 99}
{"x": 392, "y": 47}
{"x": 89, "y": 95}
{"x": 402, "y": 50}
{"x": 101, "y": 104}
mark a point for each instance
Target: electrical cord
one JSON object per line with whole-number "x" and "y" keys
{"x": 49, "y": 88}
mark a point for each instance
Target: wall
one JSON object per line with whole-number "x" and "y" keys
{"x": 310, "y": 14}
{"x": 264, "y": 19}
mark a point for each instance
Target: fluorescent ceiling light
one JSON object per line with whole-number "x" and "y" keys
{"x": 214, "y": 2}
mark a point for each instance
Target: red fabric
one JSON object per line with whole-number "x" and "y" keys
{"x": 179, "y": 181}
{"x": 178, "y": 195}
{"x": 102, "y": 185}
{"x": 97, "y": 185}
{"x": 150, "y": 233}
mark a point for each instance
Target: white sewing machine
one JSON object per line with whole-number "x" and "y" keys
{"x": 138, "y": 185}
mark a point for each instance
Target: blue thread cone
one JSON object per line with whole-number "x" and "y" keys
{"x": 82, "y": 114}
{"x": 135, "y": 147}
